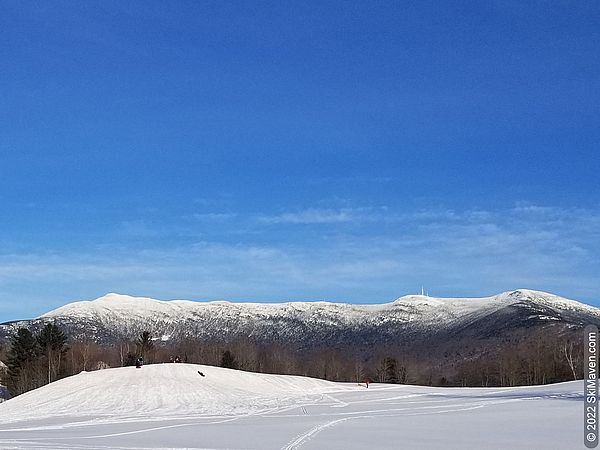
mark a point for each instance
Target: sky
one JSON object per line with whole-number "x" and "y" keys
{"x": 277, "y": 151}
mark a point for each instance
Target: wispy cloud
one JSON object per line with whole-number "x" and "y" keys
{"x": 325, "y": 216}
{"x": 312, "y": 216}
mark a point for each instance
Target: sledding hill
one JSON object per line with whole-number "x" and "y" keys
{"x": 163, "y": 390}
{"x": 172, "y": 406}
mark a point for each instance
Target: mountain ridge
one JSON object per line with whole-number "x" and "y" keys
{"x": 118, "y": 316}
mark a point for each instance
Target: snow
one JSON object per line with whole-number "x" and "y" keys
{"x": 172, "y": 406}
{"x": 172, "y": 389}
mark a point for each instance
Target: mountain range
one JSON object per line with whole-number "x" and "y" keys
{"x": 299, "y": 325}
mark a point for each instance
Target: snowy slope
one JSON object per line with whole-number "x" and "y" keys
{"x": 171, "y": 406}
{"x": 163, "y": 390}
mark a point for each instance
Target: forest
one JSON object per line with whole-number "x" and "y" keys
{"x": 34, "y": 360}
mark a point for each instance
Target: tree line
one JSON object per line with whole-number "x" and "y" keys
{"x": 37, "y": 359}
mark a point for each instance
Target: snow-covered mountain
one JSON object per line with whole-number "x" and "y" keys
{"x": 308, "y": 324}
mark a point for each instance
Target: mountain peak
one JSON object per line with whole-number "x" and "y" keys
{"x": 114, "y": 296}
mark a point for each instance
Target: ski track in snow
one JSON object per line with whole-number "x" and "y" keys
{"x": 303, "y": 438}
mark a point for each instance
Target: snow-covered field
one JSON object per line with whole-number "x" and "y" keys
{"x": 173, "y": 406}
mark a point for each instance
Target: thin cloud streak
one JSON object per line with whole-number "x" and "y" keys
{"x": 312, "y": 216}
{"x": 325, "y": 216}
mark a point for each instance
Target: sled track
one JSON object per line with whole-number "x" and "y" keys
{"x": 304, "y": 438}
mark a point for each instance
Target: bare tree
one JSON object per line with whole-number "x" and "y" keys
{"x": 570, "y": 357}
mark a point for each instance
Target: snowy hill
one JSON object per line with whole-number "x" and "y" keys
{"x": 172, "y": 406}
{"x": 173, "y": 390}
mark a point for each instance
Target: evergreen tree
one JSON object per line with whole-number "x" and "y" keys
{"x": 391, "y": 370}
{"x": 228, "y": 360}
{"x": 145, "y": 346}
{"x": 21, "y": 362}
{"x": 52, "y": 343}
{"x": 129, "y": 359}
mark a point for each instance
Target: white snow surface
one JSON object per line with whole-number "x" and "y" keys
{"x": 170, "y": 389}
{"x": 171, "y": 406}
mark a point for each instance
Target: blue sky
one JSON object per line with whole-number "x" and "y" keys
{"x": 272, "y": 151}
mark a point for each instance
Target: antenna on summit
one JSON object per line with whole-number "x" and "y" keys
{"x": 422, "y": 291}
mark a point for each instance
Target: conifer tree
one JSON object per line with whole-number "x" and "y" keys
{"x": 228, "y": 360}
{"x": 21, "y": 362}
{"x": 391, "y": 370}
{"x": 145, "y": 345}
{"x": 52, "y": 343}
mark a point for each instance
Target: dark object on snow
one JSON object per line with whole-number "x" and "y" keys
{"x": 139, "y": 362}
{"x": 201, "y": 374}
{"x": 177, "y": 359}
